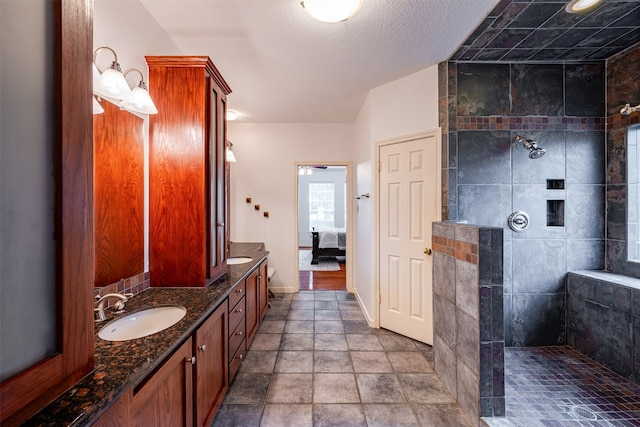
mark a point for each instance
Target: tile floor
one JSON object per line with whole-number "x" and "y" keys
{"x": 316, "y": 362}
{"x": 557, "y": 386}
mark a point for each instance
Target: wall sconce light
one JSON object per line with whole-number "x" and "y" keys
{"x": 231, "y": 115}
{"x": 331, "y": 11}
{"x": 97, "y": 108}
{"x": 111, "y": 84}
{"x": 141, "y": 100}
{"x": 231, "y": 158}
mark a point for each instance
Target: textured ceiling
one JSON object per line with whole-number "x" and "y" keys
{"x": 285, "y": 67}
{"x": 541, "y": 30}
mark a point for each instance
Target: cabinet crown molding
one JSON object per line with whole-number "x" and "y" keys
{"x": 191, "y": 61}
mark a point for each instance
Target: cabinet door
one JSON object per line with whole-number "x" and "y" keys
{"x": 165, "y": 397}
{"x": 217, "y": 242}
{"x": 186, "y": 171}
{"x": 251, "y": 301}
{"x": 263, "y": 289}
{"x": 211, "y": 368}
{"x": 117, "y": 415}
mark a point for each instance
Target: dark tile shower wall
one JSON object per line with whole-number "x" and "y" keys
{"x": 468, "y": 316}
{"x": 604, "y": 320}
{"x": 623, "y": 86}
{"x": 562, "y": 107}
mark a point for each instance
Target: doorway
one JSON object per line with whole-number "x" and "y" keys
{"x": 323, "y": 217}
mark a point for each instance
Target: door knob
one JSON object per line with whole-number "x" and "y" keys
{"x": 427, "y": 251}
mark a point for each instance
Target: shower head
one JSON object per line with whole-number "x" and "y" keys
{"x": 535, "y": 152}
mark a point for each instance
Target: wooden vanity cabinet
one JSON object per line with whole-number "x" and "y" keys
{"x": 210, "y": 370}
{"x": 117, "y": 415}
{"x": 257, "y": 300}
{"x": 189, "y": 387}
{"x": 237, "y": 328}
{"x": 263, "y": 290}
{"x": 165, "y": 398}
{"x": 253, "y": 314}
{"x": 187, "y": 195}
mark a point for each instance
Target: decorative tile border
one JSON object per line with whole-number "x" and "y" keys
{"x": 463, "y": 251}
{"x": 531, "y": 123}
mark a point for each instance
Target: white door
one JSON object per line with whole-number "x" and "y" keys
{"x": 409, "y": 188}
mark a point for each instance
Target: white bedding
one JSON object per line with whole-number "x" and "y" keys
{"x": 332, "y": 238}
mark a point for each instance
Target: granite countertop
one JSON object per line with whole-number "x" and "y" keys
{"x": 120, "y": 365}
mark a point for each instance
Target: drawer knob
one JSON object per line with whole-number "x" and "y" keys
{"x": 191, "y": 360}
{"x": 239, "y": 310}
{"x": 239, "y": 333}
{"x": 239, "y": 291}
{"x": 203, "y": 348}
{"x": 239, "y": 356}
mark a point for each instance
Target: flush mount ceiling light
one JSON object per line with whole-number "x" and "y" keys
{"x": 111, "y": 85}
{"x": 141, "y": 100}
{"x": 331, "y": 10}
{"x": 579, "y": 6}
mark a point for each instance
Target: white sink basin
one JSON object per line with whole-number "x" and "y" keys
{"x": 238, "y": 260}
{"x": 142, "y": 323}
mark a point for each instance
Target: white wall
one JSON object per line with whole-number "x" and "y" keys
{"x": 266, "y": 172}
{"x": 403, "y": 107}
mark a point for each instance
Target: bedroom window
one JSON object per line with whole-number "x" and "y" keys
{"x": 321, "y": 205}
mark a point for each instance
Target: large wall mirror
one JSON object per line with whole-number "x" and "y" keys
{"x": 118, "y": 147}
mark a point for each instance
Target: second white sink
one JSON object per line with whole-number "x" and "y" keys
{"x": 238, "y": 260}
{"x": 142, "y": 323}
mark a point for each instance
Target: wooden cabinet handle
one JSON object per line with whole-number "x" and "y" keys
{"x": 203, "y": 348}
{"x": 239, "y": 333}
{"x": 239, "y": 356}
{"x": 191, "y": 360}
{"x": 239, "y": 310}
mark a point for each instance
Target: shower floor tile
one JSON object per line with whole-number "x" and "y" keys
{"x": 557, "y": 386}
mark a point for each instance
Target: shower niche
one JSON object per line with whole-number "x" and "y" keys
{"x": 555, "y": 208}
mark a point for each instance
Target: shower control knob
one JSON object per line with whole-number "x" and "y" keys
{"x": 518, "y": 221}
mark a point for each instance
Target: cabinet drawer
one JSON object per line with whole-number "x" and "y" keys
{"x": 236, "y": 339}
{"x": 236, "y": 361}
{"x": 236, "y": 294}
{"x": 236, "y": 315}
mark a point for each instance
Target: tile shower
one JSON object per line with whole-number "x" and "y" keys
{"x": 575, "y": 195}
{"x": 490, "y": 177}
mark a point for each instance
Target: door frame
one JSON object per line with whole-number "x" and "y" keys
{"x": 349, "y": 255}
{"x": 435, "y": 132}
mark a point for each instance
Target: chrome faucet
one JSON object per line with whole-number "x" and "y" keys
{"x": 118, "y": 306}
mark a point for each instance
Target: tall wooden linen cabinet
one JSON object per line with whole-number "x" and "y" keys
{"x": 187, "y": 179}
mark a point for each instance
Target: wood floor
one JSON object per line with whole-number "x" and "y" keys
{"x": 324, "y": 280}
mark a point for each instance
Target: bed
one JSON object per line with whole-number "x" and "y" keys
{"x": 328, "y": 243}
